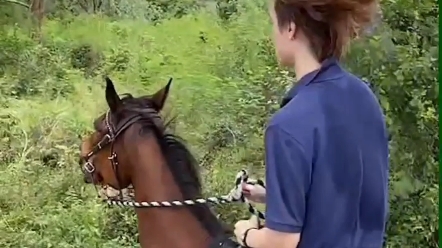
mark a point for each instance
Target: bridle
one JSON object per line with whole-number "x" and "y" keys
{"x": 108, "y": 139}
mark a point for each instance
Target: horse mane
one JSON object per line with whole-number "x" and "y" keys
{"x": 182, "y": 164}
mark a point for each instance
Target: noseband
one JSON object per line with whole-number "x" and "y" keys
{"x": 108, "y": 139}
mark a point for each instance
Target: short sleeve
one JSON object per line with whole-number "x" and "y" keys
{"x": 288, "y": 177}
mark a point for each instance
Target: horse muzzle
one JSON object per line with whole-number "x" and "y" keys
{"x": 87, "y": 178}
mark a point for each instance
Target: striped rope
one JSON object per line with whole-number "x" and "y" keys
{"x": 235, "y": 195}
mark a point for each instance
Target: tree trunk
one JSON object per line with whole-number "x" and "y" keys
{"x": 38, "y": 13}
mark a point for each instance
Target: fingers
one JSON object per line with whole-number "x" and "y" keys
{"x": 247, "y": 187}
{"x": 254, "y": 193}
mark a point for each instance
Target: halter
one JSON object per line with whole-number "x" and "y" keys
{"x": 108, "y": 139}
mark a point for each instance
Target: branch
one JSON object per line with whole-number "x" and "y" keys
{"x": 15, "y": 2}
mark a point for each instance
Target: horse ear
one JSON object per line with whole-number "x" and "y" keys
{"x": 160, "y": 97}
{"x": 112, "y": 98}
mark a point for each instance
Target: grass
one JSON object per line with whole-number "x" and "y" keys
{"x": 43, "y": 201}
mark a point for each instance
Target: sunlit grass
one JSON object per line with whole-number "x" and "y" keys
{"x": 47, "y": 204}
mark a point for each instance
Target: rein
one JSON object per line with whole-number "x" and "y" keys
{"x": 235, "y": 195}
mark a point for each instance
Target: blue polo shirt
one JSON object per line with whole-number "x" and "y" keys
{"x": 327, "y": 162}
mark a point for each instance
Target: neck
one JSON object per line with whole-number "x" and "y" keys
{"x": 167, "y": 227}
{"x": 162, "y": 227}
{"x": 305, "y": 62}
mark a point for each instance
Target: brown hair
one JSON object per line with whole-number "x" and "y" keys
{"x": 328, "y": 24}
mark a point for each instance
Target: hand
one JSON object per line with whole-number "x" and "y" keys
{"x": 242, "y": 226}
{"x": 255, "y": 193}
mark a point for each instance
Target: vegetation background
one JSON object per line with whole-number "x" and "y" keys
{"x": 54, "y": 53}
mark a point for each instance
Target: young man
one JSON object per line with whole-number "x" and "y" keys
{"x": 327, "y": 147}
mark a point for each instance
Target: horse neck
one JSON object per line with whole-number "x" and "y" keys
{"x": 153, "y": 181}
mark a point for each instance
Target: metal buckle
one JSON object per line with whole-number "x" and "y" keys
{"x": 109, "y": 137}
{"x": 89, "y": 167}
{"x": 112, "y": 156}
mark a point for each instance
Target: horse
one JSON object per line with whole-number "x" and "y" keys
{"x": 131, "y": 145}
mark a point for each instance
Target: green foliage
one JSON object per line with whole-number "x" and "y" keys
{"x": 226, "y": 9}
{"x": 227, "y": 83}
{"x": 85, "y": 58}
{"x": 148, "y": 10}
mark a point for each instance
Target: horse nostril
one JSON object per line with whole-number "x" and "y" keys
{"x": 87, "y": 179}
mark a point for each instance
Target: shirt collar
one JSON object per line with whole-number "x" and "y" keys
{"x": 306, "y": 80}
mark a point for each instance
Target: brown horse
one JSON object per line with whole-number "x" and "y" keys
{"x": 131, "y": 145}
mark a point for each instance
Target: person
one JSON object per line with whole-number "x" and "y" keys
{"x": 326, "y": 149}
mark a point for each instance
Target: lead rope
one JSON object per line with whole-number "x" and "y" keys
{"x": 235, "y": 195}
